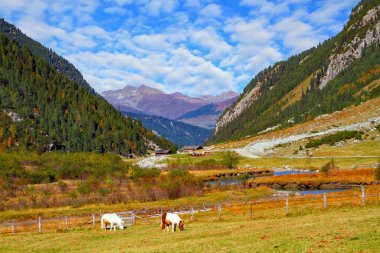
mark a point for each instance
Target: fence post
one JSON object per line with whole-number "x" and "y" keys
{"x": 191, "y": 213}
{"x": 287, "y": 203}
{"x": 39, "y": 225}
{"x": 133, "y": 218}
{"x": 324, "y": 200}
{"x": 363, "y": 195}
{"x": 220, "y": 210}
{"x": 13, "y": 227}
{"x": 250, "y": 209}
{"x": 67, "y": 223}
{"x": 93, "y": 219}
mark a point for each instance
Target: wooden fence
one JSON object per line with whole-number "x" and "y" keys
{"x": 65, "y": 223}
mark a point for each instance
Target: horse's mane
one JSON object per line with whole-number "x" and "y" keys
{"x": 163, "y": 220}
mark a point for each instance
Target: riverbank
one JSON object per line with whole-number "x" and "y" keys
{"x": 333, "y": 179}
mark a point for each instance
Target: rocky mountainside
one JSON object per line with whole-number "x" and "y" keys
{"x": 151, "y": 101}
{"x": 54, "y": 60}
{"x": 340, "y": 72}
{"x": 179, "y": 133}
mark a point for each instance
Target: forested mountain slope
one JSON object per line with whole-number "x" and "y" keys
{"x": 343, "y": 71}
{"x": 59, "y": 63}
{"x": 179, "y": 133}
{"x": 41, "y": 106}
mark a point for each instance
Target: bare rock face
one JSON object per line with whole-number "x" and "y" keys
{"x": 354, "y": 50}
{"x": 235, "y": 111}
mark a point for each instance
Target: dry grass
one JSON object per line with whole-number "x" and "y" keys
{"x": 368, "y": 88}
{"x": 210, "y": 197}
{"x": 358, "y": 176}
{"x": 314, "y": 163}
{"x": 296, "y": 94}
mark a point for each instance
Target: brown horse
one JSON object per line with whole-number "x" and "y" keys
{"x": 173, "y": 219}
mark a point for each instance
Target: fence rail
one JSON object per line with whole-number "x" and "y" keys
{"x": 286, "y": 201}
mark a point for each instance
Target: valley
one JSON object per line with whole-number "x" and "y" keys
{"x": 292, "y": 164}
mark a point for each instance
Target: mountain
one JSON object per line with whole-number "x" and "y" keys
{"x": 206, "y": 116}
{"x": 342, "y": 71}
{"x": 54, "y": 60}
{"x": 151, "y": 101}
{"x": 40, "y": 108}
{"x": 179, "y": 133}
{"x": 228, "y": 95}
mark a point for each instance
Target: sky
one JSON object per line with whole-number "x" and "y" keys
{"x": 196, "y": 47}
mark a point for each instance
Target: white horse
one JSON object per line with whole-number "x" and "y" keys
{"x": 111, "y": 219}
{"x": 173, "y": 219}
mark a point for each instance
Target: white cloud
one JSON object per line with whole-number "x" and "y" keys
{"x": 207, "y": 38}
{"x": 156, "y": 7}
{"x": 191, "y": 46}
{"x": 211, "y": 11}
{"x": 115, "y": 10}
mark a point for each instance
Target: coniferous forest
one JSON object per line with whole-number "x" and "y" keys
{"x": 41, "y": 108}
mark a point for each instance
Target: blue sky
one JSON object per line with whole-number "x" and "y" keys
{"x": 196, "y": 47}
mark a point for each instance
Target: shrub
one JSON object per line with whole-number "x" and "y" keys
{"x": 62, "y": 186}
{"x": 333, "y": 138}
{"x": 377, "y": 172}
{"x": 230, "y": 159}
{"x": 138, "y": 173}
{"x": 328, "y": 166}
{"x": 84, "y": 188}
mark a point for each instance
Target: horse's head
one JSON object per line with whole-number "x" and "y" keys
{"x": 181, "y": 225}
{"x": 121, "y": 225}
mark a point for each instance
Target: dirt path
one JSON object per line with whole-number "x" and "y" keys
{"x": 260, "y": 148}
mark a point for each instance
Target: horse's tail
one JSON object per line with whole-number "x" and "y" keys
{"x": 163, "y": 220}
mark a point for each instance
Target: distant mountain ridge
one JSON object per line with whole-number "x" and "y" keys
{"x": 206, "y": 116}
{"x": 173, "y": 106}
{"x": 179, "y": 133}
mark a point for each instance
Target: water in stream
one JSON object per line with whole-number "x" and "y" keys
{"x": 311, "y": 192}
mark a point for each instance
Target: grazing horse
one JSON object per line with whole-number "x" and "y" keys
{"x": 111, "y": 219}
{"x": 173, "y": 219}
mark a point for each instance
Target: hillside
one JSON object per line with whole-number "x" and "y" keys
{"x": 206, "y": 116}
{"x": 59, "y": 63}
{"x": 40, "y": 106}
{"x": 338, "y": 73}
{"x": 151, "y": 101}
{"x": 179, "y": 133}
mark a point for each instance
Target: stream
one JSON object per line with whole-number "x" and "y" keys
{"x": 236, "y": 181}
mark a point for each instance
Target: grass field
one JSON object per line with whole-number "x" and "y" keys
{"x": 343, "y": 229}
